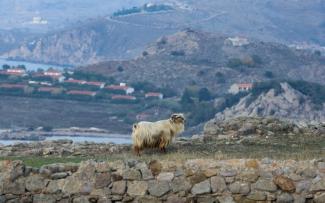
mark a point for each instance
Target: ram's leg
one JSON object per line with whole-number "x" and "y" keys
{"x": 137, "y": 150}
{"x": 162, "y": 145}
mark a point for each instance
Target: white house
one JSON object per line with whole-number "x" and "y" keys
{"x": 240, "y": 87}
{"x": 237, "y": 41}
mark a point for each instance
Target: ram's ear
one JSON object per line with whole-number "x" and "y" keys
{"x": 173, "y": 117}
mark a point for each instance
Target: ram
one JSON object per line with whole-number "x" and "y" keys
{"x": 157, "y": 134}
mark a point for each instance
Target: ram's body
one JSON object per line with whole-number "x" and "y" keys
{"x": 156, "y": 134}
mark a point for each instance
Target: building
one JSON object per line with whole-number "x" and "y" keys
{"x": 240, "y": 87}
{"x": 100, "y": 85}
{"x": 82, "y": 93}
{"x": 157, "y": 95}
{"x": 73, "y": 81}
{"x": 122, "y": 88}
{"x": 12, "y": 86}
{"x": 123, "y": 97}
{"x": 237, "y": 41}
{"x": 51, "y": 90}
{"x": 14, "y": 71}
{"x": 52, "y": 73}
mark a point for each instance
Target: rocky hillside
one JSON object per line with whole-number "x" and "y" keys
{"x": 123, "y": 36}
{"x": 91, "y": 42}
{"x": 279, "y": 101}
{"x": 211, "y": 60}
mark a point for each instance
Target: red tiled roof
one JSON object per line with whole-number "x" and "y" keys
{"x": 16, "y": 70}
{"x": 75, "y": 81}
{"x": 245, "y": 85}
{"x": 153, "y": 94}
{"x": 3, "y": 72}
{"x": 48, "y": 89}
{"x": 127, "y": 97}
{"x": 12, "y": 86}
{"x": 95, "y": 83}
{"x": 117, "y": 87}
{"x": 81, "y": 92}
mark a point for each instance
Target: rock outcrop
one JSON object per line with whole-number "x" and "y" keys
{"x": 135, "y": 181}
{"x": 259, "y": 127}
{"x": 289, "y": 104}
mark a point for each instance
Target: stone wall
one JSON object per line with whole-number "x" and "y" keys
{"x": 202, "y": 180}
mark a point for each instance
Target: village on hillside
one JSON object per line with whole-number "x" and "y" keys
{"x": 53, "y": 83}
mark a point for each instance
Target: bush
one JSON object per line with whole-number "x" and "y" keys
{"x": 315, "y": 91}
{"x": 257, "y": 59}
{"x": 234, "y": 63}
{"x": 201, "y": 112}
{"x": 268, "y": 74}
{"x": 177, "y": 53}
{"x": 204, "y": 94}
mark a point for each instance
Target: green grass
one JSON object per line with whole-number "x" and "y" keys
{"x": 277, "y": 147}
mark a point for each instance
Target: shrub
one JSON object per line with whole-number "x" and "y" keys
{"x": 177, "y": 53}
{"x": 204, "y": 94}
{"x": 268, "y": 74}
{"x": 234, "y": 63}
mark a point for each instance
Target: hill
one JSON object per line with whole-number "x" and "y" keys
{"x": 297, "y": 101}
{"x": 214, "y": 61}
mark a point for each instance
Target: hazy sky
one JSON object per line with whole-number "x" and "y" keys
{"x": 17, "y": 13}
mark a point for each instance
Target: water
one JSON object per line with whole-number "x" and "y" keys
{"x": 30, "y": 65}
{"x": 115, "y": 140}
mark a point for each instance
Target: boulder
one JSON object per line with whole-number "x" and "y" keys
{"x": 201, "y": 188}
{"x": 218, "y": 184}
{"x": 265, "y": 185}
{"x": 286, "y": 184}
{"x": 155, "y": 167}
{"x": 119, "y": 187}
{"x": 284, "y": 198}
{"x": 137, "y": 188}
{"x": 158, "y": 188}
{"x": 35, "y": 183}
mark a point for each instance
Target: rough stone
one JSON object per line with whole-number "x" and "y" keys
{"x": 59, "y": 175}
{"x": 119, "y": 187}
{"x": 132, "y": 174}
{"x": 218, "y": 184}
{"x": 320, "y": 198}
{"x": 201, "y": 188}
{"x": 285, "y": 183}
{"x": 226, "y": 199}
{"x": 257, "y": 196}
{"x": 210, "y": 172}
{"x": 158, "y": 188}
{"x": 285, "y": 198}
{"x": 265, "y": 185}
{"x": 102, "y": 180}
{"x": 137, "y": 188}
{"x": 309, "y": 173}
{"x": 155, "y": 167}
{"x": 239, "y": 188}
{"x": 41, "y": 198}
{"x": 165, "y": 176}
{"x": 319, "y": 186}
{"x": 180, "y": 184}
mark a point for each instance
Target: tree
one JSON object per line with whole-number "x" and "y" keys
{"x": 186, "y": 98}
{"x": 5, "y": 66}
{"x": 268, "y": 74}
{"x": 22, "y": 66}
{"x": 204, "y": 94}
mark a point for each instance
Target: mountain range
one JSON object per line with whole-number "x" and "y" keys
{"x": 110, "y": 37}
